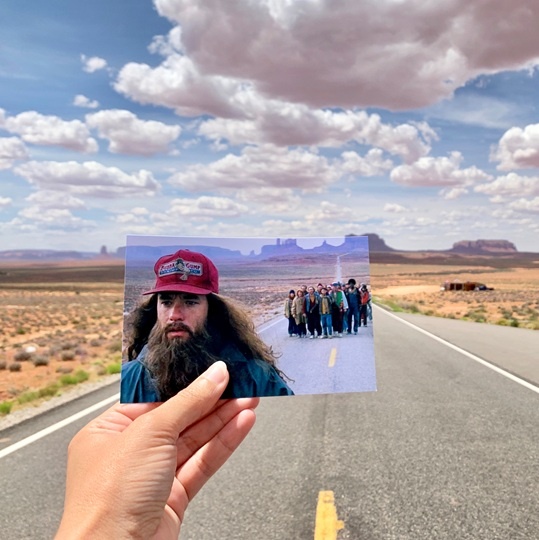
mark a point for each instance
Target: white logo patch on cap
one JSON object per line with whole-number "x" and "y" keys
{"x": 180, "y": 266}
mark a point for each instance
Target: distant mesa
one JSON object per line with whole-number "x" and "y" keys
{"x": 478, "y": 247}
{"x": 376, "y": 244}
{"x": 281, "y": 247}
{"x": 353, "y": 244}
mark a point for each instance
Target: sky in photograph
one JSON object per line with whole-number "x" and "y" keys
{"x": 414, "y": 120}
{"x": 246, "y": 245}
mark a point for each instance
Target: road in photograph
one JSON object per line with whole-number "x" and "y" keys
{"x": 324, "y": 366}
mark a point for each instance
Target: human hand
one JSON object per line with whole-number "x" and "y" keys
{"x": 133, "y": 470}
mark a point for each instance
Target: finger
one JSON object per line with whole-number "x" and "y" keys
{"x": 196, "y": 436}
{"x": 189, "y": 405}
{"x": 207, "y": 461}
{"x": 134, "y": 410}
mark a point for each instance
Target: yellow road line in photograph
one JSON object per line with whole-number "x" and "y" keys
{"x": 332, "y": 357}
{"x": 327, "y": 525}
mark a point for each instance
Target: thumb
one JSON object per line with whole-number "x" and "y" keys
{"x": 191, "y": 404}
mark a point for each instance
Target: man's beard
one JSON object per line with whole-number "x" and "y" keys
{"x": 175, "y": 363}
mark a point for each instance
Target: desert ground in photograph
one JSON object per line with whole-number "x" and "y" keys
{"x": 62, "y": 323}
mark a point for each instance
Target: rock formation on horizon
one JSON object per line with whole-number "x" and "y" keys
{"x": 376, "y": 243}
{"x": 484, "y": 246}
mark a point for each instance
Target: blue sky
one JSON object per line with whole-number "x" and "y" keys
{"x": 413, "y": 120}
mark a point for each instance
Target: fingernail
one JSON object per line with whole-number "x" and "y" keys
{"x": 216, "y": 372}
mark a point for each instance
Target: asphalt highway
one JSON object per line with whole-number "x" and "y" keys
{"x": 445, "y": 449}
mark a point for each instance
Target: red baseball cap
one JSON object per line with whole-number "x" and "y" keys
{"x": 185, "y": 271}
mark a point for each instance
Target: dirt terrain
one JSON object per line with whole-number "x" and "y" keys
{"x": 417, "y": 289}
{"x": 62, "y": 324}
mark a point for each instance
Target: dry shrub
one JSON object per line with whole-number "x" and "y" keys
{"x": 67, "y": 356}
{"x": 115, "y": 347}
{"x": 41, "y": 360}
{"x": 64, "y": 370}
{"x": 23, "y": 356}
{"x": 15, "y": 366}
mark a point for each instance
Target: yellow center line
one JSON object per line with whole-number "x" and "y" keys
{"x": 327, "y": 524}
{"x": 332, "y": 357}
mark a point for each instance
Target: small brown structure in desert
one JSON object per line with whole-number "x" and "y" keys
{"x": 457, "y": 285}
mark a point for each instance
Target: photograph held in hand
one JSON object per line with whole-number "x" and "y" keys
{"x": 183, "y": 313}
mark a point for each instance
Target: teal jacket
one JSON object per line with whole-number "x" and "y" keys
{"x": 248, "y": 378}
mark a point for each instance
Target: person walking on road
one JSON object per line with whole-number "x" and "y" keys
{"x": 292, "y": 329}
{"x": 364, "y": 296}
{"x": 340, "y": 307}
{"x": 325, "y": 307}
{"x": 298, "y": 311}
{"x": 312, "y": 312}
{"x": 353, "y": 306}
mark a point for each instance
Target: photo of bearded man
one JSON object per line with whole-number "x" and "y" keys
{"x": 184, "y": 327}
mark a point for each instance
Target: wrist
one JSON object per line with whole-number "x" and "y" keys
{"x": 97, "y": 526}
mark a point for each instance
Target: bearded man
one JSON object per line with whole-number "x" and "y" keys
{"x": 185, "y": 326}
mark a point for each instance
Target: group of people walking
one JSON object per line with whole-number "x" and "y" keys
{"x": 326, "y": 311}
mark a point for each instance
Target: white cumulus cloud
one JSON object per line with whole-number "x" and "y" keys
{"x": 178, "y": 84}
{"x": 90, "y": 64}
{"x": 263, "y": 166}
{"x": 372, "y": 164}
{"x": 437, "y": 172}
{"x": 328, "y": 54}
{"x": 395, "y": 208}
{"x": 46, "y": 199}
{"x": 518, "y": 148}
{"x": 169, "y": 44}
{"x": 287, "y": 124}
{"x": 512, "y": 185}
{"x": 11, "y": 150}
{"x": 453, "y": 193}
{"x": 5, "y": 202}
{"x": 89, "y": 178}
{"x": 48, "y": 130}
{"x": 525, "y": 205}
{"x": 329, "y": 211}
{"x": 82, "y": 101}
{"x": 128, "y": 134}
{"x": 52, "y": 218}
{"x": 206, "y": 207}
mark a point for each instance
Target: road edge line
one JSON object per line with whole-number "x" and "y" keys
{"x": 59, "y": 425}
{"x": 470, "y": 355}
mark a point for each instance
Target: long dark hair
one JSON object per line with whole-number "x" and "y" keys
{"x": 139, "y": 324}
